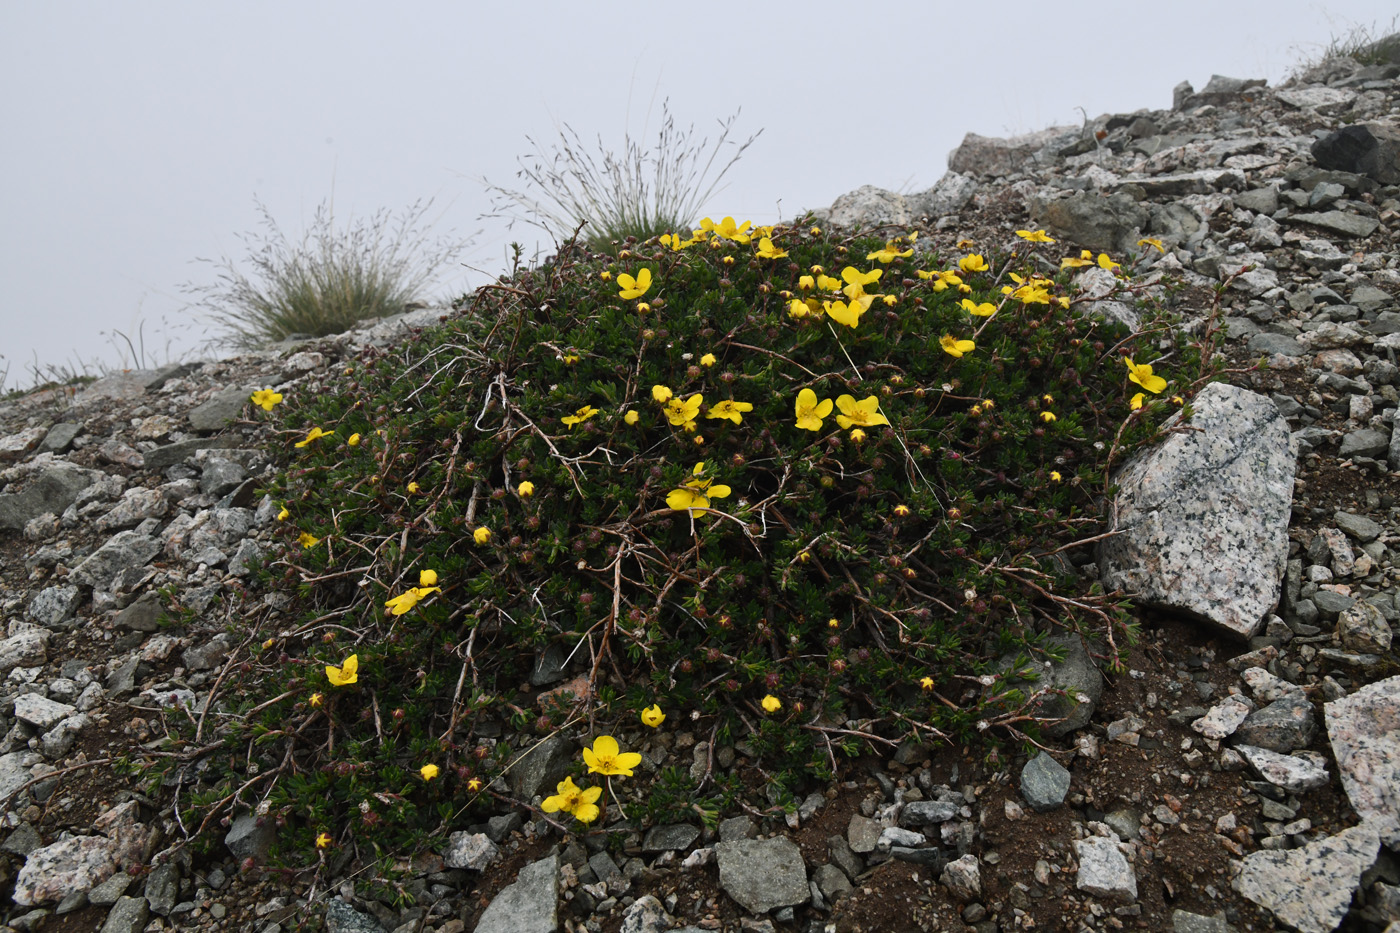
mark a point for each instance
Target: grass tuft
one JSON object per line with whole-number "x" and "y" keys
{"x": 326, "y": 283}
{"x": 638, "y": 193}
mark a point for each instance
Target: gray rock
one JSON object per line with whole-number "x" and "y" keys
{"x": 1338, "y": 222}
{"x": 1364, "y": 731}
{"x": 1369, "y": 298}
{"x": 1076, "y": 675}
{"x": 1370, "y": 149}
{"x": 470, "y": 850}
{"x": 762, "y": 875}
{"x": 1111, "y": 223}
{"x": 1331, "y": 604}
{"x": 54, "y": 605}
{"x": 645, "y": 915}
{"x": 1204, "y": 515}
{"x": 249, "y": 837}
{"x": 984, "y": 156}
{"x": 949, "y": 195}
{"x": 1271, "y": 344}
{"x": 220, "y": 476}
{"x": 1104, "y": 870}
{"x": 1310, "y": 888}
{"x": 27, "y": 646}
{"x": 1185, "y": 922}
{"x": 831, "y": 881}
{"x": 128, "y": 915}
{"x": 1126, "y": 823}
{"x": 863, "y": 833}
{"x": 542, "y": 767}
{"x": 1366, "y": 442}
{"x": 529, "y": 905}
{"x": 142, "y": 615}
{"x": 1292, "y": 773}
{"x": 171, "y": 454}
{"x": 17, "y": 446}
{"x": 60, "y": 437}
{"x": 1359, "y": 527}
{"x": 671, "y": 837}
{"x": 16, "y": 770}
{"x": 163, "y": 888}
{"x": 51, "y": 491}
{"x": 1282, "y": 726}
{"x": 1224, "y": 717}
{"x": 1363, "y": 627}
{"x": 78, "y": 863}
{"x": 135, "y": 506}
{"x": 22, "y": 841}
{"x": 123, "y": 551}
{"x": 1044, "y": 783}
{"x": 208, "y": 655}
{"x": 869, "y": 206}
{"x": 963, "y": 877}
{"x": 108, "y": 892}
{"x": 892, "y": 836}
{"x": 342, "y": 918}
{"x": 1259, "y": 200}
{"x": 222, "y": 408}
{"x": 927, "y": 813}
{"x": 41, "y": 712}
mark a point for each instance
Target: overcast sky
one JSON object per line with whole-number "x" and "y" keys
{"x": 137, "y": 135}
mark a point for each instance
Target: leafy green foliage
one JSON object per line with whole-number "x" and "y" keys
{"x": 894, "y": 585}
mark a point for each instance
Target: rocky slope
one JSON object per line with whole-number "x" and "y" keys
{"x": 1242, "y": 772}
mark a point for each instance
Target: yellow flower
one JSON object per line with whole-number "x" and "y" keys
{"x": 634, "y": 288}
{"x": 312, "y": 435}
{"x": 865, "y": 413}
{"x": 348, "y": 673}
{"x": 889, "y": 253}
{"x": 810, "y": 412}
{"x": 481, "y": 535}
{"x": 707, "y": 360}
{"x": 1055, "y": 476}
{"x": 266, "y": 398}
{"x": 429, "y": 772}
{"x": 798, "y": 309}
{"x": 605, "y": 758}
{"x": 1178, "y": 400}
{"x": 985, "y": 309}
{"x": 1153, "y": 242}
{"x": 570, "y": 359}
{"x": 729, "y": 409}
{"x": 849, "y": 315}
{"x": 1034, "y": 236}
{"x": 678, "y": 411}
{"x": 858, "y": 436}
{"x": 605, "y": 275}
{"x": 696, "y": 494}
{"x": 1086, "y": 258}
{"x": 579, "y": 803}
{"x": 901, "y": 510}
{"x": 772, "y": 704}
{"x": 353, "y": 440}
{"x": 815, "y": 231}
{"x": 854, "y": 278}
{"x": 956, "y": 348}
{"x": 1106, "y": 263}
{"x": 727, "y": 229}
{"x": 766, "y": 250}
{"x": 890, "y": 301}
{"x": 283, "y": 515}
{"x": 643, "y": 307}
{"x": 1141, "y": 373}
{"x": 527, "y": 488}
{"x": 323, "y": 840}
{"x": 964, "y": 243}
{"x": 806, "y": 283}
{"x": 1136, "y": 401}
{"x": 631, "y": 417}
{"x": 652, "y": 716}
{"x": 316, "y": 699}
{"x": 661, "y": 394}
{"x": 413, "y": 487}
{"x": 833, "y": 623}
{"x": 427, "y": 578}
{"x": 580, "y": 416}
{"x": 307, "y": 539}
{"x": 926, "y": 683}
{"x": 1047, "y": 416}
{"x": 406, "y": 601}
{"x": 474, "y": 785}
{"x": 973, "y": 262}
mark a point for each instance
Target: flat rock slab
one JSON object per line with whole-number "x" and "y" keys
{"x": 528, "y": 905}
{"x": 1203, "y": 517}
{"x": 763, "y": 874}
{"x": 1364, "y": 730}
{"x": 1044, "y": 783}
{"x": 53, "y": 491}
{"x": 1104, "y": 870}
{"x": 1292, "y": 773}
{"x": 1310, "y": 888}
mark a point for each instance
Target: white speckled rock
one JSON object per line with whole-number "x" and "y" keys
{"x": 1310, "y": 888}
{"x": 1204, "y": 515}
{"x": 1104, "y": 870}
{"x": 1364, "y": 730}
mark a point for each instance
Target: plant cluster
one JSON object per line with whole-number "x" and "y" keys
{"x": 809, "y": 495}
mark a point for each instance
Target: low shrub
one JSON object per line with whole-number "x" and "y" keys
{"x": 804, "y": 496}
